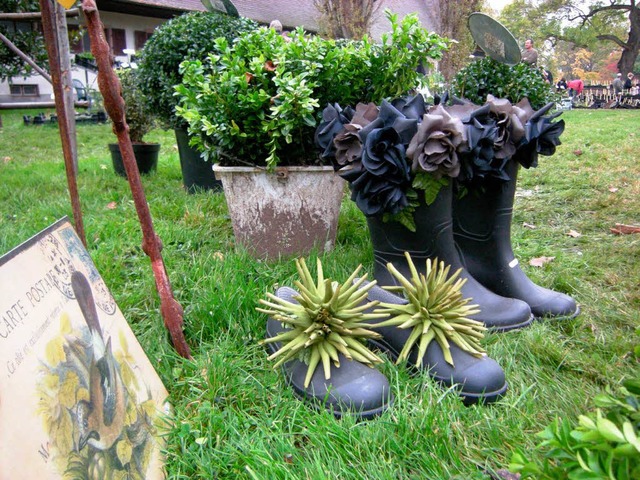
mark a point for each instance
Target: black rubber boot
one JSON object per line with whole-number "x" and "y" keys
{"x": 482, "y": 231}
{"x": 353, "y": 389}
{"x": 434, "y": 238}
{"x": 477, "y": 380}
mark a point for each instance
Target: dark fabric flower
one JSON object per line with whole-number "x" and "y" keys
{"x": 390, "y": 116}
{"x": 477, "y": 156}
{"x": 380, "y": 181}
{"x": 375, "y": 195}
{"x": 411, "y": 107}
{"x": 384, "y": 155}
{"x": 334, "y": 118}
{"x": 433, "y": 149}
{"x": 542, "y": 136}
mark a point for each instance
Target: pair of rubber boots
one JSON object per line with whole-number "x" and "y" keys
{"x": 472, "y": 233}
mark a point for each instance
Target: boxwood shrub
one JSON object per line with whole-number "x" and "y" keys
{"x": 486, "y": 76}
{"x": 188, "y": 37}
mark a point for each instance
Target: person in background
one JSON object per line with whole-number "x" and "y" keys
{"x": 617, "y": 85}
{"x": 575, "y": 87}
{"x": 277, "y": 26}
{"x": 627, "y": 83}
{"x": 561, "y": 86}
{"x": 529, "y": 54}
{"x": 548, "y": 76}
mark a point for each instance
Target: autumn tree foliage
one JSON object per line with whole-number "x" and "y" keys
{"x": 630, "y": 46}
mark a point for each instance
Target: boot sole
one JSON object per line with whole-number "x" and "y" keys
{"x": 468, "y": 398}
{"x": 560, "y": 318}
{"x": 516, "y": 326}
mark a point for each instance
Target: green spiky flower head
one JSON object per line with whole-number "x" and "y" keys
{"x": 435, "y": 311}
{"x": 328, "y": 319}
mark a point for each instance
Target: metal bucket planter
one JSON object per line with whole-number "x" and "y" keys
{"x": 285, "y": 213}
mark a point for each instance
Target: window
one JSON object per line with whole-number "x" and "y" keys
{"x": 140, "y": 39}
{"x": 116, "y": 39}
{"x": 24, "y": 90}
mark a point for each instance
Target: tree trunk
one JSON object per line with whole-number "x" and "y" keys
{"x": 632, "y": 48}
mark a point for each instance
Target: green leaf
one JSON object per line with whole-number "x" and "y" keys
{"x": 633, "y": 385}
{"x": 430, "y": 185}
{"x": 609, "y": 430}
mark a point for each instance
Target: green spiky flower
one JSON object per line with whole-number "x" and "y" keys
{"x": 328, "y": 319}
{"x": 435, "y": 311}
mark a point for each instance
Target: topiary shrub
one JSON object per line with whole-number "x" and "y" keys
{"x": 139, "y": 117}
{"x": 486, "y": 76}
{"x": 187, "y": 37}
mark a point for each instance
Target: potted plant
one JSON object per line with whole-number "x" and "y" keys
{"x": 140, "y": 121}
{"x": 482, "y": 218}
{"x": 253, "y": 109}
{"x": 189, "y": 36}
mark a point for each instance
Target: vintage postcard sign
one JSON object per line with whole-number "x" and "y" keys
{"x": 78, "y": 396}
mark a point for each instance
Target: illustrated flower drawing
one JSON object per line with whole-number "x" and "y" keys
{"x": 392, "y": 153}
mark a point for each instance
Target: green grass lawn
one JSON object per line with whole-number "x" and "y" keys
{"x": 234, "y": 415}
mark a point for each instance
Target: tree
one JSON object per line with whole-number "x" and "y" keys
{"x": 25, "y": 35}
{"x": 628, "y": 9}
{"x": 347, "y": 18}
{"x": 453, "y": 24}
{"x": 594, "y": 25}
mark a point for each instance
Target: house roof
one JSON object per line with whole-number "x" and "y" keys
{"x": 306, "y": 15}
{"x": 150, "y": 8}
{"x": 303, "y": 14}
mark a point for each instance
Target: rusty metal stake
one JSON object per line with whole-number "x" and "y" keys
{"x": 61, "y": 109}
{"x": 109, "y": 85}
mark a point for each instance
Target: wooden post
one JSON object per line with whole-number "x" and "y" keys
{"x": 66, "y": 78}
{"x": 109, "y": 84}
{"x": 48, "y": 26}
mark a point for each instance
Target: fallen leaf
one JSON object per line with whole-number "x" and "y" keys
{"x": 6, "y": 160}
{"x": 112, "y": 205}
{"x": 218, "y": 256}
{"x": 103, "y": 167}
{"x": 613, "y": 189}
{"x": 622, "y": 229}
{"x": 573, "y": 233}
{"x": 248, "y": 77}
{"x": 507, "y": 475}
{"x": 528, "y": 225}
{"x": 269, "y": 66}
{"x": 540, "y": 261}
{"x": 288, "y": 458}
{"x": 577, "y": 152}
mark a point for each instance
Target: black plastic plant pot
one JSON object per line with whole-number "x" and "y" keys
{"x": 197, "y": 175}
{"x": 146, "y": 157}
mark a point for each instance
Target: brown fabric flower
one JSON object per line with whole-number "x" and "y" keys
{"x": 510, "y": 126}
{"x": 433, "y": 148}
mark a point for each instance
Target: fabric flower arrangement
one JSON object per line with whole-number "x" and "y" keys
{"x": 394, "y": 152}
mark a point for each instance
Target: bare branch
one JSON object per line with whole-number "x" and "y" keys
{"x": 74, "y": 12}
